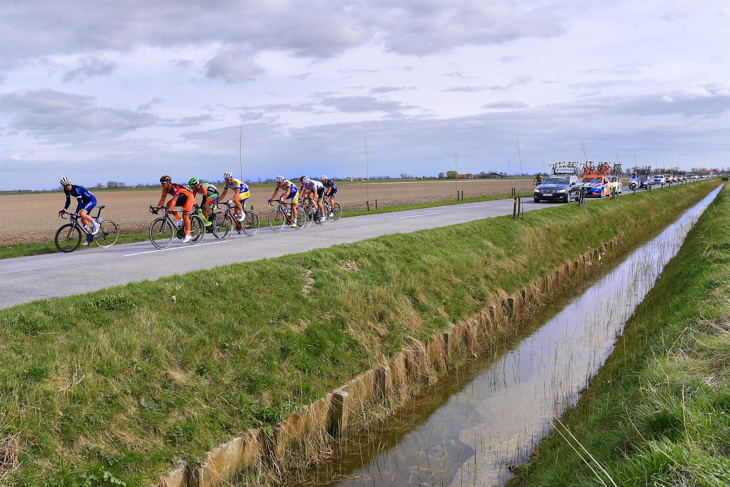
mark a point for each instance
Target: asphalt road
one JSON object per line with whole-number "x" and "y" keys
{"x": 49, "y": 276}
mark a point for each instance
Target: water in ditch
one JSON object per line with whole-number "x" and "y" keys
{"x": 477, "y": 422}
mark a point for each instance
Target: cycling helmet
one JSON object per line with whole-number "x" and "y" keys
{"x": 165, "y": 179}
{"x": 228, "y": 175}
{"x": 305, "y": 179}
{"x": 65, "y": 181}
{"x": 279, "y": 178}
{"x": 301, "y": 178}
{"x": 324, "y": 178}
{"x": 194, "y": 182}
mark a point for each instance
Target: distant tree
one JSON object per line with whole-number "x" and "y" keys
{"x": 99, "y": 185}
{"x": 111, "y": 184}
{"x": 441, "y": 175}
{"x": 451, "y": 174}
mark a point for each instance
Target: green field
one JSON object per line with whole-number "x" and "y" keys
{"x": 118, "y": 385}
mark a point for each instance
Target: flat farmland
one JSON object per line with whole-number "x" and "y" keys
{"x": 130, "y": 208}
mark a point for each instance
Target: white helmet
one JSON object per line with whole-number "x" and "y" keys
{"x": 65, "y": 181}
{"x": 324, "y": 177}
{"x": 279, "y": 178}
{"x": 228, "y": 175}
{"x": 305, "y": 180}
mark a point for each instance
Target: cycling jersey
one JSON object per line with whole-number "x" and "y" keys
{"x": 206, "y": 189}
{"x": 315, "y": 187}
{"x": 184, "y": 197}
{"x": 86, "y": 200}
{"x": 284, "y": 185}
{"x": 242, "y": 187}
{"x": 331, "y": 188}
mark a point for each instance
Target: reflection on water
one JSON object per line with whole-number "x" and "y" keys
{"x": 468, "y": 429}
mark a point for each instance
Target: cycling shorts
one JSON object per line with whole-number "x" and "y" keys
{"x": 294, "y": 197}
{"x": 320, "y": 192}
{"x": 185, "y": 202}
{"x": 244, "y": 195}
{"x": 331, "y": 194}
{"x": 86, "y": 205}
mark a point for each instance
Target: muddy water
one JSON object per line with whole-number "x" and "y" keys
{"x": 474, "y": 424}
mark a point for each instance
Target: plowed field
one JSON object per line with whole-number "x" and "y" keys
{"x": 32, "y": 217}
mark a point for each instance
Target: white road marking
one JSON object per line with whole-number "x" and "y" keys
{"x": 176, "y": 248}
{"x": 416, "y": 216}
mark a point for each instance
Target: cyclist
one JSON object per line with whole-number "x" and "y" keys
{"x": 242, "y": 193}
{"x": 86, "y": 202}
{"x": 538, "y": 180}
{"x": 290, "y": 192}
{"x": 181, "y": 196}
{"x": 210, "y": 196}
{"x": 330, "y": 192}
{"x": 315, "y": 189}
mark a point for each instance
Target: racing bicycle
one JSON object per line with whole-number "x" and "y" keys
{"x": 281, "y": 216}
{"x": 68, "y": 237}
{"x": 313, "y": 214}
{"x": 164, "y": 228}
{"x": 335, "y": 210}
{"x": 225, "y": 222}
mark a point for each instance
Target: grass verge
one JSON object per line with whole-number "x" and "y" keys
{"x": 117, "y": 385}
{"x": 658, "y": 413}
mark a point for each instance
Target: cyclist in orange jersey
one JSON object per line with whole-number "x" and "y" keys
{"x": 180, "y": 197}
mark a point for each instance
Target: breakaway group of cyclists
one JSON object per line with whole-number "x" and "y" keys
{"x": 184, "y": 196}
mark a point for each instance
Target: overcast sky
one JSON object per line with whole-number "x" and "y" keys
{"x": 128, "y": 90}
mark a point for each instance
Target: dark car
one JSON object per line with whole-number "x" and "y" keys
{"x": 558, "y": 187}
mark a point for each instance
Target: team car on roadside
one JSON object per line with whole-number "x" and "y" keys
{"x": 659, "y": 179}
{"x": 595, "y": 185}
{"x": 645, "y": 182}
{"x": 558, "y": 187}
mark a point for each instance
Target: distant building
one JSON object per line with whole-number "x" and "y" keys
{"x": 465, "y": 176}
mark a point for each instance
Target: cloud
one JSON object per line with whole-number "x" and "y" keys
{"x": 505, "y": 105}
{"x": 49, "y": 112}
{"x": 517, "y": 81}
{"x": 466, "y": 89}
{"x": 234, "y": 65}
{"x": 360, "y": 104}
{"x": 319, "y": 30}
{"x": 89, "y": 66}
{"x": 389, "y": 89}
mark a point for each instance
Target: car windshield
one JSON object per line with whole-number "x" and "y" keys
{"x": 594, "y": 179}
{"x": 554, "y": 180}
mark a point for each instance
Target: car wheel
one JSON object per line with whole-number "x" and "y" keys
{"x": 537, "y": 200}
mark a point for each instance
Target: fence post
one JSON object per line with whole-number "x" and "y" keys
{"x": 368, "y": 205}
{"x": 376, "y": 204}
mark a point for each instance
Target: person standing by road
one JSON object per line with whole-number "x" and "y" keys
{"x": 180, "y": 197}
{"x": 86, "y": 202}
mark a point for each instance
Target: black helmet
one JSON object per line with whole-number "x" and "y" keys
{"x": 165, "y": 179}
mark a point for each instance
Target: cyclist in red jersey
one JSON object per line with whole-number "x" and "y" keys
{"x": 180, "y": 197}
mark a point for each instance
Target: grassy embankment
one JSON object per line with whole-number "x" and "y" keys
{"x": 119, "y": 384}
{"x": 28, "y": 249}
{"x": 658, "y": 413}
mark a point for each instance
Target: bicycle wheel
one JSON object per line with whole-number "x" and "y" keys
{"x": 68, "y": 238}
{"x": 107, "y": 235}
{"x": 251, "y": 223}
{"x": 336, "y": 211}
{"x": 277, "y": 219}
{"x": 303, "y": 218}
{"x": 197, "y": 229}
{"x": 161, "y": 233}
{"x": 222, "y": 226}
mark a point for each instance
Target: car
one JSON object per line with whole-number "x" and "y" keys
{"x": 615, "y": 182}
{"x": 595, "y": 185}
{"x": 558, "y": 187}
{"x": 645, "y": 182}
{"x": 658, "y": 180}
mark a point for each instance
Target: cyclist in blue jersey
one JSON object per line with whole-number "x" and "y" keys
{"x": 290, "y": 192}
{"x": 86, "y": 202}
{"x": 330, "y": 191}
{"x": 242, "y": 193}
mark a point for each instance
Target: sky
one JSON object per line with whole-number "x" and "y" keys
{"x": 129, "y": 90}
